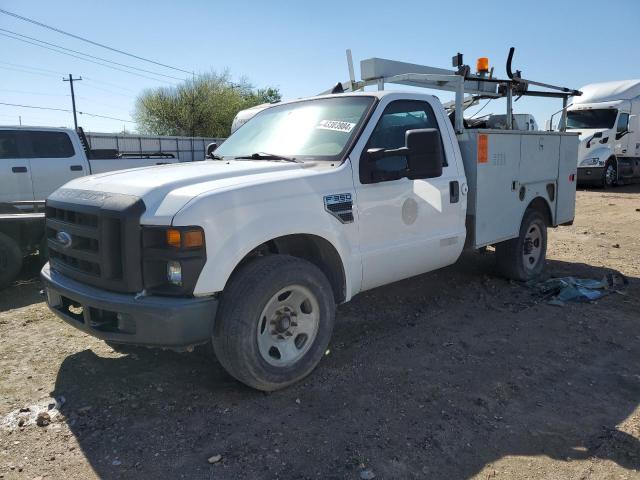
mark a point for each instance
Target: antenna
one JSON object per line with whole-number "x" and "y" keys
{"x": 352, "y": 75}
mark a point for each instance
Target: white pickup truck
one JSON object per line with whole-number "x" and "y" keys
{"x": 34, "y": 162}
{"x": 307, "y": 204}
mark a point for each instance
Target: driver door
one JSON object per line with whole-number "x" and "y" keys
{"x": 621, "y": 147}
{"x": 406, "y": 227}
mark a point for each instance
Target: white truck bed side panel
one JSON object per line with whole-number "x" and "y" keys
{"x": 497, "y": 205}
{"x": 567, "y": 179}
{"x": 492, "y": 205}
{"x": 539, "y": 158}
{"x": 516, "y": 168}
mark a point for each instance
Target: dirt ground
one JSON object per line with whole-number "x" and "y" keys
{"x": 451, "y": 375}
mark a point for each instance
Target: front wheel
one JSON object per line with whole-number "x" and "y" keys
{"x": 522, "y": 258}
{"x": 274, "y": 322}
{"x": 609, "y": 174}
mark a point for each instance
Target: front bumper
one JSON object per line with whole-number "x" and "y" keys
{"x": 590, "y": 175}
{"x": 124, "y": 318}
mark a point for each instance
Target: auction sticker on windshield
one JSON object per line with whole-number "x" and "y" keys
{"x": 336, "y": 125}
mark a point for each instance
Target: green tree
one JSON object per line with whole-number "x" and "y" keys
{"x": 203, "y": 106}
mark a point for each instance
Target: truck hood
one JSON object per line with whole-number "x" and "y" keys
{"x": 596, "y": 148}
{"x": 165, "y": 189}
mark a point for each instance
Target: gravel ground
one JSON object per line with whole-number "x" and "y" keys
{"x": 452, "y": 374}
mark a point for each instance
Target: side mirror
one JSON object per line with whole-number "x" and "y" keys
{"x": 210, "y": 149}
{"x": 634, "y": 124}
{"x": 595, "y": 135}
{"x": 425, "y": 157}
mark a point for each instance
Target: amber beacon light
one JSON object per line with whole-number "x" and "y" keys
{"x": 482, "y": 65}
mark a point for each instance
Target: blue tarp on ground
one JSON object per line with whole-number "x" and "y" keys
{"x": 571, "y": 289}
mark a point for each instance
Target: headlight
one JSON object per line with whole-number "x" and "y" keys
{"x": 172, "y": 259}
{"x": 592, "y": 162}
{"x": 174, "y": 272}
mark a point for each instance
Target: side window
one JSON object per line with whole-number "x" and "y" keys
{"x": 50, "y": 145}
{"x": 397, "y": 118}
{"x": 623, "y": 125}
{"x": 8, "y": 144}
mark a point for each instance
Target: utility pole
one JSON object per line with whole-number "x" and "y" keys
{"x": 73, "y": 97}
{"x": 20, "y": 119}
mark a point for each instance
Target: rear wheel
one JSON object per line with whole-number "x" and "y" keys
{"x": 10, "y": 260}
{"x": 523, "y": 258}
{"x": 274, "y": 321}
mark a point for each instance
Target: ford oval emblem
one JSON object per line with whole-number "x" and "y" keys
{"x": 64, "y": 239}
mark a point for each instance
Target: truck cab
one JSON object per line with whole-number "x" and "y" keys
{"x": 607, "y": 119}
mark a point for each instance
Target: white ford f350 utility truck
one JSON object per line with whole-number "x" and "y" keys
{"x": 307, "y": 204}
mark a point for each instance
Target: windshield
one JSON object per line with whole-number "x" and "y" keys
{"x": 602, "y": 118}
{"x": 319, "y": 129}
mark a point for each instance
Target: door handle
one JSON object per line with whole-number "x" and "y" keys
{"x": 19, "y": 169}
{"x": 75, "y": 168}
{"x": 454, "y": 192}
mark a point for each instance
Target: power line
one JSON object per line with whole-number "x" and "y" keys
{"x": 102, "y": 82}
{"x": 90, "y": 56}
{"x": 66, "y": 110}
{"x": 108, "y": 91}
{"x": 27, "y": 71}
{"x": 85, "y": 59}
{"x": 105, "y": 116}
{"x": 32, "y": 68}
{"x": 27, "y": 92}
{"x": 6, "y": 12}
{"x": 33, "y": 106}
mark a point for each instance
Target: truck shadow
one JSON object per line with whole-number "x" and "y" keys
{"x": 436, "y": 376}
{"x": 25, "y": 290}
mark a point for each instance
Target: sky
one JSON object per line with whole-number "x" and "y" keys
{"x": 298, "y": 47}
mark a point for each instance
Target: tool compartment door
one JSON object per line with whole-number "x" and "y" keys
{"x": 539, "y": 161}
{"x": 497, "y": 205}
{"x": 567, "y": 179}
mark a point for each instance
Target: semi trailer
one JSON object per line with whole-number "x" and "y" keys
{"x": 307, "y": 204}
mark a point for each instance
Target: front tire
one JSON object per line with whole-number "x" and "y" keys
{"x": 523, "y": 258}
{"x": 609, "y": 174}
{"x": 10, "y": 260}
{"x": 274, "y": 322}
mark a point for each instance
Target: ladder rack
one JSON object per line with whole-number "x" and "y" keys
{"x": 380, "y": 71}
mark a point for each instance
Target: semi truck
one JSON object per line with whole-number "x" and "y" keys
{"x": 307, "y": 204}
{"x": 607, "y": 117}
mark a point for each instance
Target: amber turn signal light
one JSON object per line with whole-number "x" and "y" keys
{"x": 185, "y": 238}
{"x": 192, "y": 239}
{"x": 174, "y": 238}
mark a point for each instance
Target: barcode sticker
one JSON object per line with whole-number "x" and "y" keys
{"x": 336, "y": 125}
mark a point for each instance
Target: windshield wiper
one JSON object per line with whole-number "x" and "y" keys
{"x": 268, "y": 156}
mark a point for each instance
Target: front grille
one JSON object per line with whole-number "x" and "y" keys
{"x": 83, "y": 251}
{"x": 96, "y": 241}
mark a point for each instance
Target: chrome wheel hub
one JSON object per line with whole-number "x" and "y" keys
{"x": 288, "y": 326}
{"x": 532, "y": 250}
